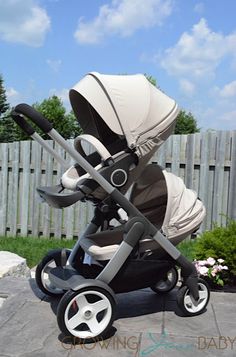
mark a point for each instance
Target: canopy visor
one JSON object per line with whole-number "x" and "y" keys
{"x": 129, "y": 106}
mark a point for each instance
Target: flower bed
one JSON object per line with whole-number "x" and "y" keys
{"x": 212, "y": 271}
{"x": 215, "y": 255}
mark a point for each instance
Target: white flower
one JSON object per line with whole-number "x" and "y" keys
{"x": 220, "y": 261}
{"x": 211, "y": 261}
{"x": 224, "y": 267}
{"x": 220, "y": 267}
{"x": 213, "y": 273}
{"x": 216, "y": 268}
{"x": 203, "y": 270}
{"x": 202, "y": 262}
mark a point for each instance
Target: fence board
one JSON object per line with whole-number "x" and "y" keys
{"x": 189, "y": 161}
{"x": 196, "y": 162}
{"x": 10, "y": 188}
{"x": 57, "y": 218}
{"x": 4, "y": 186}
{"x": 219, "y": 176}
{"x": 36, "y": 162}
{"x": 175, "y": 155}
{"x": 205, "y": 161}
{"x": 232, "y": 179}
{"x": 15, "y": 188}
{"x": 182, "y": 152}
{"x": 26, "y": 149}
{"x": 168, "y": 148}
{"x": 204, "y": 172}
{"x": 161, "y": 156}
{"x": 48, "y": 182}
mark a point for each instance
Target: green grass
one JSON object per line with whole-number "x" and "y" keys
{"x": 33, "y": 249}
{"x": 187, "y": 248}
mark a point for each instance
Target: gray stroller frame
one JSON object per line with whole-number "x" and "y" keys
{"x": 87, "y": 309}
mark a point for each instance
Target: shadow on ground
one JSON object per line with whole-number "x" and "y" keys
{"x": 132, "y": 304}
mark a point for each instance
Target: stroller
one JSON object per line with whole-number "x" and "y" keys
{"x": 131, "y": 242}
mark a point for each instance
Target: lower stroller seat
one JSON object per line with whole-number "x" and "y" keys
{"x": 151, "y": 194}
{"x": 103, "y": 245}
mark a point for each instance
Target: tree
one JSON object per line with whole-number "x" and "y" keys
{"x": 7, "y": 126}
{"x": 186, "y": 123}
{"x": 8, "y": 129}
{"x": 52, "y": 109}
{"x": 4, "y": 106}
{"x": 65, "y": 123}
{"x": 151, "y": 79}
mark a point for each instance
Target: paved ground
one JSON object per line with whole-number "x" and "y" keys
{"x": 146, "y": 325}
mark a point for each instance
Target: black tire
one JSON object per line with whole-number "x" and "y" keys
{"x": 166, "y": 285}
{"x": 86, "y": 333}
{"x": 52, "y": 257}
{"x": 185, "y": 301}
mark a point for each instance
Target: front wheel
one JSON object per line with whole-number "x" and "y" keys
{"x": 186, "y": 302}
{"x": 50, "y": 261}
{"x": 86, "y": 314}
{"x": 168, "y": 283}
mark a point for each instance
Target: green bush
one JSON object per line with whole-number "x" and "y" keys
{"x": 219, "y": 243}
{"x": 186, "y": 247}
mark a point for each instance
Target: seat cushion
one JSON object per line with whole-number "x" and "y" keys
{"x": 103, "y": 245}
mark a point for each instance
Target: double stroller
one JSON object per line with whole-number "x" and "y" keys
{"x": 141, "y": 211}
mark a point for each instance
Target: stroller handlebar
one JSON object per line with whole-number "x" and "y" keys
{"x": 19, "y": 119}
{"x": 36, "y": 117}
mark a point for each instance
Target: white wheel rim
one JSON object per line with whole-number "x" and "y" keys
{"x": 167, "y": 284}
{"x": 195, "y": 306}
{"x": 47, "y": 284}
{"x": 86, "y": 315}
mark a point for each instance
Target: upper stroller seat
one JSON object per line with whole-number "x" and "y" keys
{"x": 128, "y": 116}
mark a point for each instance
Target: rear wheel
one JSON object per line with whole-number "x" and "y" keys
{"x": 188, "y": 304}
{"x": 50, "y": 261}
{"x": 168, "y": 283}
{"x": 86, "y": 314}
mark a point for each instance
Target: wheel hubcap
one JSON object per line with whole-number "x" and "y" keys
{"x": 45, "y": 278}
{"x": 88, "y": 314}
{"x": 191, "y": 304}
{"x": 168, "y": 283}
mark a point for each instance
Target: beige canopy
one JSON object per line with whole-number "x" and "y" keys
{"x": 167, "y": 203}
{"x": 129, "y": 105}
{"x": 184, "y": 211}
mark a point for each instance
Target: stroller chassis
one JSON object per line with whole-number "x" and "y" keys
{"x": 193, "y": 296}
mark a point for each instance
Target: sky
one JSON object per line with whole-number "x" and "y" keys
{"x": 189, "y": 46}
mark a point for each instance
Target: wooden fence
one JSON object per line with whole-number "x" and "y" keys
{"x": 206, "y": 162}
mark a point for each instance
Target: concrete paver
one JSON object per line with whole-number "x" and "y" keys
{"x": 146, "y": 325}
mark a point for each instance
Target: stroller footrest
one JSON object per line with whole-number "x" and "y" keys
{"x": 65, "y": 278}
{"x": 54, "y": 197}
